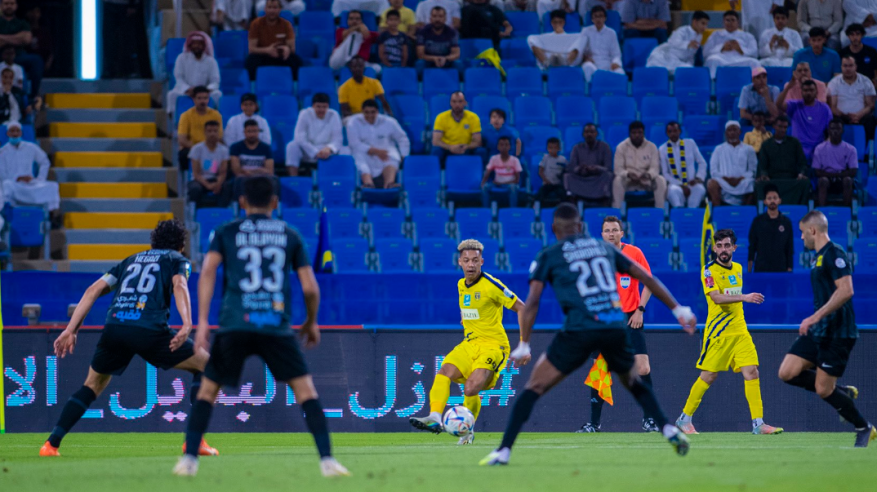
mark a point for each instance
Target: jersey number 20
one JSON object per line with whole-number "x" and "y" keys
{"x": 602, "y": 271}
{"x": 254, "y": 256}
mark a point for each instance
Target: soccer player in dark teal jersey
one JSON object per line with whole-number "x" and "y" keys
{"x": 820, "y": 354}
{"x": 136, "y": 324}
{"x": 258, "y": 253}
{"x": 581, "y": 271}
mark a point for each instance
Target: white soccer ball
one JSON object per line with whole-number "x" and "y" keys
{"x": 458, "y": 421}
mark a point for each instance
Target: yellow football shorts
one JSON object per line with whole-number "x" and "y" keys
{"x": 469, "y": 356}
{"x": 729, "y": 352}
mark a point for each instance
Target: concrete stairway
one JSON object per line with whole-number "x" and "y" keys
{"x": 110, "y": 154}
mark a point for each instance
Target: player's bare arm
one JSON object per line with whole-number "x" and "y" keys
{"x": 66, "y": 342}
{"x": 751, "y": 298}
{"x": 683, "y": 314}
{"x": 206, "y": 283}
{"x": 840, "y": 296}
{"x": 310, "y": 330}
{"x": 184, "y": 307}
{"x": 526, "y": 320}
{"x": 519, "y": 307}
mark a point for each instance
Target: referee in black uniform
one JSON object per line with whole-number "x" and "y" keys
{"x": 827, "y": 336}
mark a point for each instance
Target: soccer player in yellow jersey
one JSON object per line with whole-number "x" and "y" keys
{"x": 726, "y": 340}
{"x": 484, "y": 352}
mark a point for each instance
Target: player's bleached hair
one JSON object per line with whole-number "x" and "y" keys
{"x": 471, "y": 245}
{"x": 817, "y": 219}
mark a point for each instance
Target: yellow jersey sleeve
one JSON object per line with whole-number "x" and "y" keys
{"x": 501, "y": 294}
{"x": 708, "y": 281}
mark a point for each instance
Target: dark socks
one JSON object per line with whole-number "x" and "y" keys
{"x": 844, "y": 405}
{"x": 73, "y": 410}
{"x": 806, "y": 380}
{"x": 316, "y": 421}
{"x": 646, "y": 399}
{"x": 520, "y": 413}
{"x": 201, "y": 411}
{"x": 194, "y": 387}
{"x": 596, "y": 407}
{"x": 647, "y": 380}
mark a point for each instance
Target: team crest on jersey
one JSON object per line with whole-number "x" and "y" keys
{"x": 467, "y": 300}
{"x": 478, "y": 296}
{"x": 840, "y": 263}
{"x": 625, "y": 282}
{"x": 732, "y": 279}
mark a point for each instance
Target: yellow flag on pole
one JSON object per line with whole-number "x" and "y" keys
{"x": 600, "y": 379}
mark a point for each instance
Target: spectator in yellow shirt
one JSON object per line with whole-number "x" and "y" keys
{"x": 190, "y": 130}
{"x": 759, "y": 133}
{"x": 359, "y": 89}
{"x": 407, "y": 21}
{"x": 457, "y": 131}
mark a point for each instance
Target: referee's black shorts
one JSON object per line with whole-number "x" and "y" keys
{"x": 231, "y": 349}
{"x": 119, "y": 344}
{"x": 571, "y": 349}
{"x": 637, "y": 337}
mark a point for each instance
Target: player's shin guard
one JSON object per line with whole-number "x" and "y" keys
{"x": 73, "y": 410}
{"x": 845, "y": 406}
{"x": 198, "y": 422}
{"x": 753, "y": 397}
{"x": 195, "y": 387}
{"x": 646, "y": 399}
{"x": 439, "y": 393}
{"x": 695, "y": 397}
{"x": 473, "y": 403}
{"x": 596, "y": 407}
{"x": 316, "y": 420}
{"x": 520, "y": 413}
{"x": 806, "y": 380}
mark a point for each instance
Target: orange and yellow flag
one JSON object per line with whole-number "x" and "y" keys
{"x": 600, "y": 379}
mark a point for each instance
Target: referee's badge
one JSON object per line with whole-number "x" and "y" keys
{"x": 625, "y": 282}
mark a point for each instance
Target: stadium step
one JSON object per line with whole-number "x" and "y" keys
{"x": 67, "y": 86}
{"x": 104, "y": 115}
{"x": 99, "y": 101}
{"x": 160, "y": 205}
{"x": 102, "y": 130}
{"x": 89, "y": 266}
{"x": 103, "y": 251}
{"x": 52, "y": 145}
{"x": 108, "y": 159}
{"x": 721, "y": 5}
{"x": 108, "y": 236}
{"x": 114, "y": 220}
{"x": 113, "y": 190}
{"x": 113, "y": 175}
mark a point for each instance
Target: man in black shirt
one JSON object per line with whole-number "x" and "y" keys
{"x": 483, "y": 20}
{"x": 827, "y": 336}
{"x": 136, "y": 324}
{"x": 770, "y": 237}
{"x": 865, "y": 56}
{"x": 581, "y": 271}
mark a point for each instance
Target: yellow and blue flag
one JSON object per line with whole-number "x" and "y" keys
{"x": 707, "y": 239}
{"x": 323, "y": 260}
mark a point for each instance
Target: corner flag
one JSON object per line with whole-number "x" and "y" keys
{"x": 323, "y": 260}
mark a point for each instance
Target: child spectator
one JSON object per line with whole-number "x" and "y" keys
{"x": 8, "y": 56}
{"x": 551, "y": 170}
{"x": 490, "y": 135}
{"x": 407, "y": 20}
{"x": 506, "y": 173}
{"x": 393, "y": 43}
{"x": 759, "y": 133}
{"x": 234, "y": 130}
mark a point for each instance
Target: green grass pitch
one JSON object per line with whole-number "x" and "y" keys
{"x": 541, "y": 462}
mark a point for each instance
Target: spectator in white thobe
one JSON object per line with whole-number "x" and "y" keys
{"x": 195, "y": 66}
{"x": 317, "y": 135}
{"x": 862, "y": 12}
{"x": 730, "y": 47}
{"x": 378, "y": 145}
{"x": 777, "y": 45}
{"x": 557, "y": 48}
{"x": 685, "y": 172}
{"x": 20, "y": 186}
{"x": 732, "y": 170}
{"x": 234, "y": 129}
{"x": 232, "y": 15}
{"x": 602, "y": 51}
{"x": 585, "y": 6}
{"x": 681, "y": 48}
{"x": 376, "y": 6}
{"x": 294, "y": 7}
{"x": 756, "y": 14}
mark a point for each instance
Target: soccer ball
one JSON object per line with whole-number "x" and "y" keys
{"x": 458, "y": 421}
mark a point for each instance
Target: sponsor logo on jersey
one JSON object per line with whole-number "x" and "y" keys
{"x": 277, "y": 302}
{"x": 625, "y": 282}
{"x": 127, "y": 315}
{"x": 141, "y": 303}
{"x": 247, "y": 226}
{"x": 732, "y": 279}
{"x": 470, "y": 314}
{"x": 710, "y": 282}
{"x": 840, "y": 263}
{"x": 733, "y": 291}
{"x": 467, "y": 300}
{"x": 819, "y": 261}
{"x": 707, "y": 273}
{"x": 188, "y": 270}
{"x": 262, "y": 318}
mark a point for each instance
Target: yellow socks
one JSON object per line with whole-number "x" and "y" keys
{"x": 696, "y": 395}
{"x": 473, "y": 403}
{"x": 439, "y": 394}
{"x": 753, "y": 396}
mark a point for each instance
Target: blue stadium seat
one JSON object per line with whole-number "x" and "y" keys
{"x": 473, "y": 223}
{"x": 866, "y": 255}
{"x": 659, "y": 251}
{"x": 172, "y": 49}
{"x": 277, "y": 108}
{"x": 482, "y": 82}
{"x": 741, "y": 255}
{"x": 571, "y": 136}
{"x": 386, "y": 223}
{"x": 463, "y": 177}
{"x": 228, "y": 107}
{"x": 658, "y": 111}
{"x": 344, "y": 74}
{"x": 795, "y": 213}
{"x": 778, "y": 76}
{"x": 430, "y": 223}
{"x": 707, "y": 131}
{"x": 234, "y": 81}
{"x": 440, "y": 81}
{"x": 692, "y": 88}
{"x": 524, "y": 81}
{"x": 312, "y": 80}
{"x": 311, "y": 245}
{"x": 400, "y": 81}
{"x": 565, "y": 81}
{"x": 207, "y": 219}
{"x": 439, "y": 255}
{"x": 483, "y": 105}
{"x": 594, "y": 218}
{"x": 516, "y": 52}
{"x": 689, "y": 248}
{"x": 491, "y": 255}
{"x": 534, "y": 138}
{"x": 651, "y": 81}
{"x": 231, "y": 49}
{"x": 613, "y": 20}
{"x": 573, "y": 22}
{"x": 295, "y": 191}
{"x": 645, "y": 222}
{"x": 838, "y": 223}
{"x": 521, "y": 253}
{"x": 686, "y": 222}
{"x": 345, "y": 223}
{"x": 472, "y": 47}
{"x": 368, "y": 18}
{"x": 516, "y": 223}
{"x": 310, "y": 22}
{"x": 546, "y": 218}
{"x": 305, "y": 220}
{"x": 351, "y": 255}
{"x": 421, "y": 179}
{"x": 184, "y": 103}
{"x": 615, "y": 135}
{"x": 410, "y": 112}
{"x": 532, "y": 111}
{"x": 657, "y": 134}
{"x": 314, "y": 49}
{"x": 616, "y": 110}
{"x": 282, "y": 133}
{"x": 438, "y": 104}
{"x": 867, "y": 226}
{"x": 273, "y": 80}
{"x": 574, "y": 110}
{"x": 523, "y": 23}
{"x": 635, "y": 53}
{"x": 394, "y": 255}
{"x": 729, "y": 84}
{"x": 605, "y": 83}
{"x": 737, "y": 218}
{"x": 855, "y": 136}
{"x": 336, "y": 181}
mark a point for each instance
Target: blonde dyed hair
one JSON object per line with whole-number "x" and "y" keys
{"x": 471, "y": 245}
